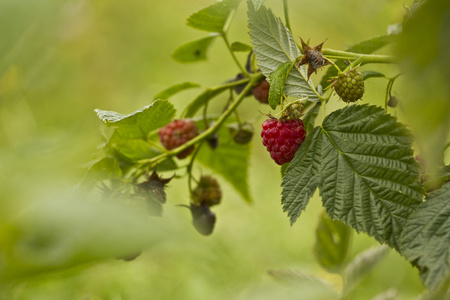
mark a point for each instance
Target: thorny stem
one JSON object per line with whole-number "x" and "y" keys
{"x": 254, "y": 79}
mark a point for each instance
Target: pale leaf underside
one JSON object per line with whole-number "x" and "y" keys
{"x": 274, "y": 45}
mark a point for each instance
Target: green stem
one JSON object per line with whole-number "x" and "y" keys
{"x": 205, "y": 114}
{"x": 286, "y": 15}
{"x": 219, "y": 89}
{"x": 238, "y": 119}
{"x": 189, "y": 167}
{"x": 388, "y": 89}
{"x": 254, "y": 80}
{"x": 230, "y": 84}
{"x": 357, "y": 62}
{"x": 156, "y": 145}
{"x": 225, "y": 38}
{"x": 365, "y": 58}
{"x": 334, "y": 65}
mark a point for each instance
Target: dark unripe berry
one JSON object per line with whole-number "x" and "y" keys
{"x": 239, "y": 88}
{"x": 282, "y": 138}
{"x": 207, "y": 192}
{"x": 203, "y": 219}
{"x": 349, "y": 86}
{"x": 393, "y": 101}
{"x": 261, "y": 92}
{"x": 242, "y": 134}
{"x": 213, "y": 141}
{"x": 177, "y": 133}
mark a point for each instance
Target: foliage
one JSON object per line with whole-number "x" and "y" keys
{"x": 361, "y": 157}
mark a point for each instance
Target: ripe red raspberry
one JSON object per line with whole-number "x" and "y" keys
{"x": 282, "y": 138}
{"x": 261, "y": 92}
{"x": 177, "y": 133}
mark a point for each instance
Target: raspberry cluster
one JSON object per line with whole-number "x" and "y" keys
{"x": 282, "y": 138}
{"x": 177, "y": 133}
{"x": 206, "y": 194}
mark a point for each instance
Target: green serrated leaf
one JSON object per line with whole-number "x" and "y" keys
{"x": 277, "y": 81}
{"x": 193, "y": 51}
{"x": 274, "y": 45}
{"x": 201, "y": 100}
{"x": 332, "y": 244}
{"x": 361, "y": 265}
{"x": 240, "y": 47}
{"x": 169, "y": 92}
{"x": 301, "y": 179}
{"x": 368, "y": 175}
{"x": 372, "y": 74}
{"x": 235, "y": 170}
{"x": 139, "y": 124}
{"x": 214, "y": 17}
{"x": 364, "y": 47}
{"x": 425, "y": 240}
{"x": 258, "y": 3}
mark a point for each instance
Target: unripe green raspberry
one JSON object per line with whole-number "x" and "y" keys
{"x": 349, "y": 86}
{"x": 293, "y": 112}
{"x": 207, "y": 192}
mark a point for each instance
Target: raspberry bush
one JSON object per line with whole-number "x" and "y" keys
{"x": 356, "y": 155}
{"x": 360, "y": 157}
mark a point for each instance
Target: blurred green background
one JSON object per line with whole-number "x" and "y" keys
{"x": 60, "y": 60}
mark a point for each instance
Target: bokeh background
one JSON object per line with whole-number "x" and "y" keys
{"x": 60, "y": 60}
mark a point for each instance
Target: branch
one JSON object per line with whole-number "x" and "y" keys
{"x": 254, "y": 80}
